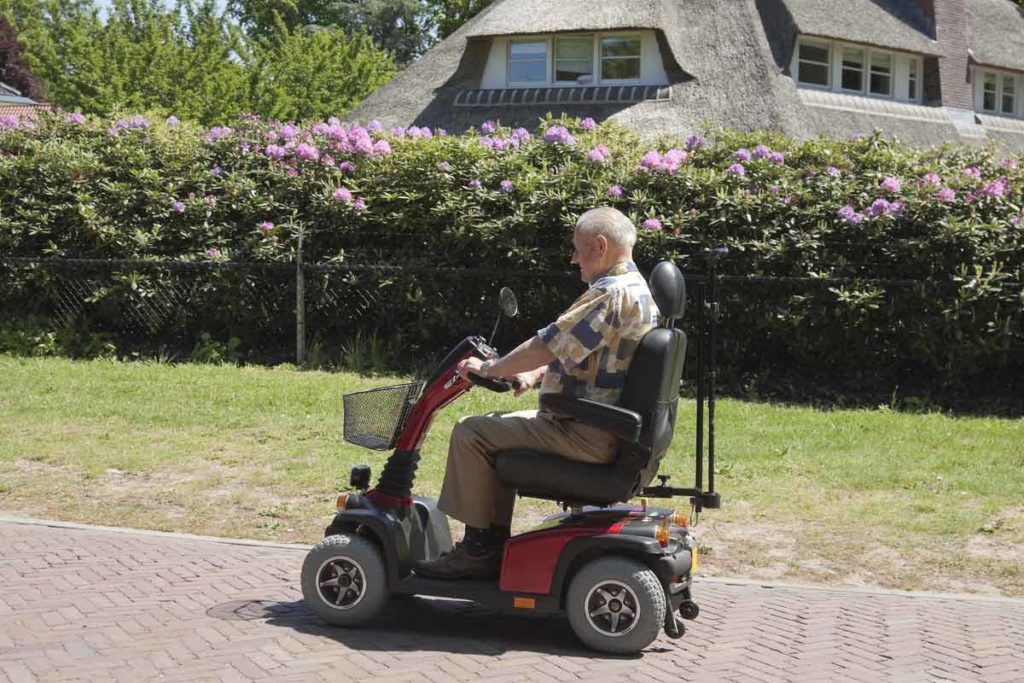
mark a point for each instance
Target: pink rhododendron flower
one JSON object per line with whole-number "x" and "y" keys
{"x": 1015, "y": 221}
{"x": 266, "y": 226}
{"x": 521, "y": 134}
{"x": 398, "y": 131}
{"x": 931, "y": 179}
{"x": 172, "y": 121}
{"x": 76, "y": 119}
{"x": 833, "y": 172}
{"x": 381, "y": 148}
{"x": 996, "y": 188}
{"x": 440, "y": 132}
{"x": 742, "y": 154}
{"x": 320, "y": 129}
{"x": 342, "y": 194}
{"x": 760, "y": 152}
{"x": 850, "y": 215}
{"x": 374, "y": 126}
{"x": 946, "y": 194}
{"x": 599, "y": 154}
{"x": 615, "y": 192}
{"x": 507, "y": 186}
{"x": 177, "y": 207}
{"x": 474, "y": 184}
{"x": 973, "y": 172}
{"x": 652, "y": 224}
{"x": 275, "y": 151}
{"x": 1009, "y": 164}
{"x": 359, "y": 204}
{"x": 488, "y": 127}
{"x": 347, "y": 167}
{"x": 588, "y": 124}
{"x": 880, "y": 207}
{"x": 288, "y": 131}
{"x": 891, "y": 184}
{"x": 444, "y": 167}
{"x": 737, "y": 170}
{"x": 560, "y": 135}
{"x": 776, "y": 158}
{"x": 307, "y": 152}
{"x": 694, "y": 142}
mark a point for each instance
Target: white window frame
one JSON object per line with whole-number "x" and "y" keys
{"x": 547, "y": 64}
{"x": 551, "y": 41}
{"x": 599, "y": 65}
{"x": 901, "y": 64}
{"x": 594, "y": 66}
{"x": 814, "y": 42}
{"x": 1001, "y": 77}
{"x": 891, "y": 74}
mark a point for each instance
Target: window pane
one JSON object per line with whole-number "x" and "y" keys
{"x": 1008, "y": 95}
{"x": 815, "y": 74}
{"x": 853, "y": 80}
{"x": 620, "y": 47}
{"x": 531, "y": 50}
{"x": 853, "y": 58}
{"x": 814, "y": 53}
{"x": 527, "y": 72}
{"x": 620, "y": 69}
{"x": 577, "y": 47}
{"x": 880, "y": 84}
{"x": 988, "y": 98}
{"x": 881, "y": 62}
{"x": 572, "y": 70}
{"x": 912, "y": 89}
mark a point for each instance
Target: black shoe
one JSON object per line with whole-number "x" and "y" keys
{"x": 459, "y": 564}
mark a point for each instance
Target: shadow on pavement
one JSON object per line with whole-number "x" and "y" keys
{"x": 425, "y": 624}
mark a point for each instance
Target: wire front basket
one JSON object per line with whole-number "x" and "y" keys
{"x": 374, "y": 418}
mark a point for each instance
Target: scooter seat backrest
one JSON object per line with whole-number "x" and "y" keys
{"x": 652, "y": 383}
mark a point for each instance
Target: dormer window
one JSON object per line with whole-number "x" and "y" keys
{"x": 856, "y": 69}
{"x": 575, "y": 60}
{"x": 998, "y": 92}
{"x": 528, "y": 62}
{"x": 620, "y": 58}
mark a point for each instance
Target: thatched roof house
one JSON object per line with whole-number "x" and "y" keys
{"x": 928, "y": 71}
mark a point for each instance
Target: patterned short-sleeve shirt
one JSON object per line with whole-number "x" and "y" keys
{"x": 595, "y": 339}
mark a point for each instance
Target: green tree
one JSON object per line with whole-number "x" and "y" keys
{"x": 449, "y": 15}
{"x": 314, "y": 72}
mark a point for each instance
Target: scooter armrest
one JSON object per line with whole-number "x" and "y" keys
{"x": 624, "y": 424}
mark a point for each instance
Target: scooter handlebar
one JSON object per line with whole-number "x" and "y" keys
{"x": 498, "y": 385}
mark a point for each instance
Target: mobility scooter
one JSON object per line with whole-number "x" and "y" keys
{"x": 619, "y": 572}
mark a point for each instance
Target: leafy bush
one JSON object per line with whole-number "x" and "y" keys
{"x": 855, "y": 265}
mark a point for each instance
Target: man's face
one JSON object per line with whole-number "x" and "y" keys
{"x": 587, "y": 253}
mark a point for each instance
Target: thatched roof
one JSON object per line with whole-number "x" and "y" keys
{"x": 995, "y": 30}
{"x": 545, "y": 16}
{"x": 726, "y": 61}
{"x": 895, "y": 24}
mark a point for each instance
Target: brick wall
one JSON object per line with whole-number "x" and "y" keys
{"x": 951, "y": 34}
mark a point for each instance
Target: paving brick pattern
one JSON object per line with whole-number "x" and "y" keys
{"x": 92, "y": 604}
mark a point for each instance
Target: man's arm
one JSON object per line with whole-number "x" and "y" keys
{"x": 532, "y": 356}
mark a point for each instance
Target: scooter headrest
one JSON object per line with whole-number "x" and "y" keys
{"x": 669, "y": 290}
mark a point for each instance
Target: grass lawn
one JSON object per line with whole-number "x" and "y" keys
{"x": 923, "y": 502}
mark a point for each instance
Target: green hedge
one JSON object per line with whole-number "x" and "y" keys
{"x": 855, "y": 266}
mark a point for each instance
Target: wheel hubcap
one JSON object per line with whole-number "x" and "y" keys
{"x": 612, "y": 608}
{"x": 341, "y": 583}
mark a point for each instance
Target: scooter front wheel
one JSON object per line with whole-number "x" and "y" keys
{"x": 616, "y": 605}
{"x": 344, "y": 580}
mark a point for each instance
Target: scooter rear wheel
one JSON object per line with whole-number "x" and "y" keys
{"x": 616, "y": 605}
{"x": 344, "y": 580}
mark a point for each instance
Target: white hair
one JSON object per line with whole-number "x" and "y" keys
{"x": 610, "y": 222}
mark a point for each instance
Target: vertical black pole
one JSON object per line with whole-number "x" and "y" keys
{"x": 712, "y": 370}
{"x": 699, "y": 483}
{"x": 300, "y": 305}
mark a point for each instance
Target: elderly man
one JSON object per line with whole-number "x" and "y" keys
{"x": 585, "y": 353}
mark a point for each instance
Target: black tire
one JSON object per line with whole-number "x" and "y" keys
{"x": 344, "y": 580}
{"x": 609, "y": 590}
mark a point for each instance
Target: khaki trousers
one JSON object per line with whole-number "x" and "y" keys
{"x": 471, "y": 492}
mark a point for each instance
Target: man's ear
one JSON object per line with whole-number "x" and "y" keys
{"x": 602, "y": 244}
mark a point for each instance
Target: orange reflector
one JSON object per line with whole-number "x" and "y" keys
{"x": 661, "y": 533}
{"x": 342, "y": 501}
{"x": 679, "y": 519}
{"x": 524, "y": 603}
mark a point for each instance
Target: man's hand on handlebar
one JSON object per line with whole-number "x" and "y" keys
{"x": 469, "y": 365}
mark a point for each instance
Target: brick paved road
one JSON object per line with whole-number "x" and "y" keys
{"x": 95, "y": 604}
